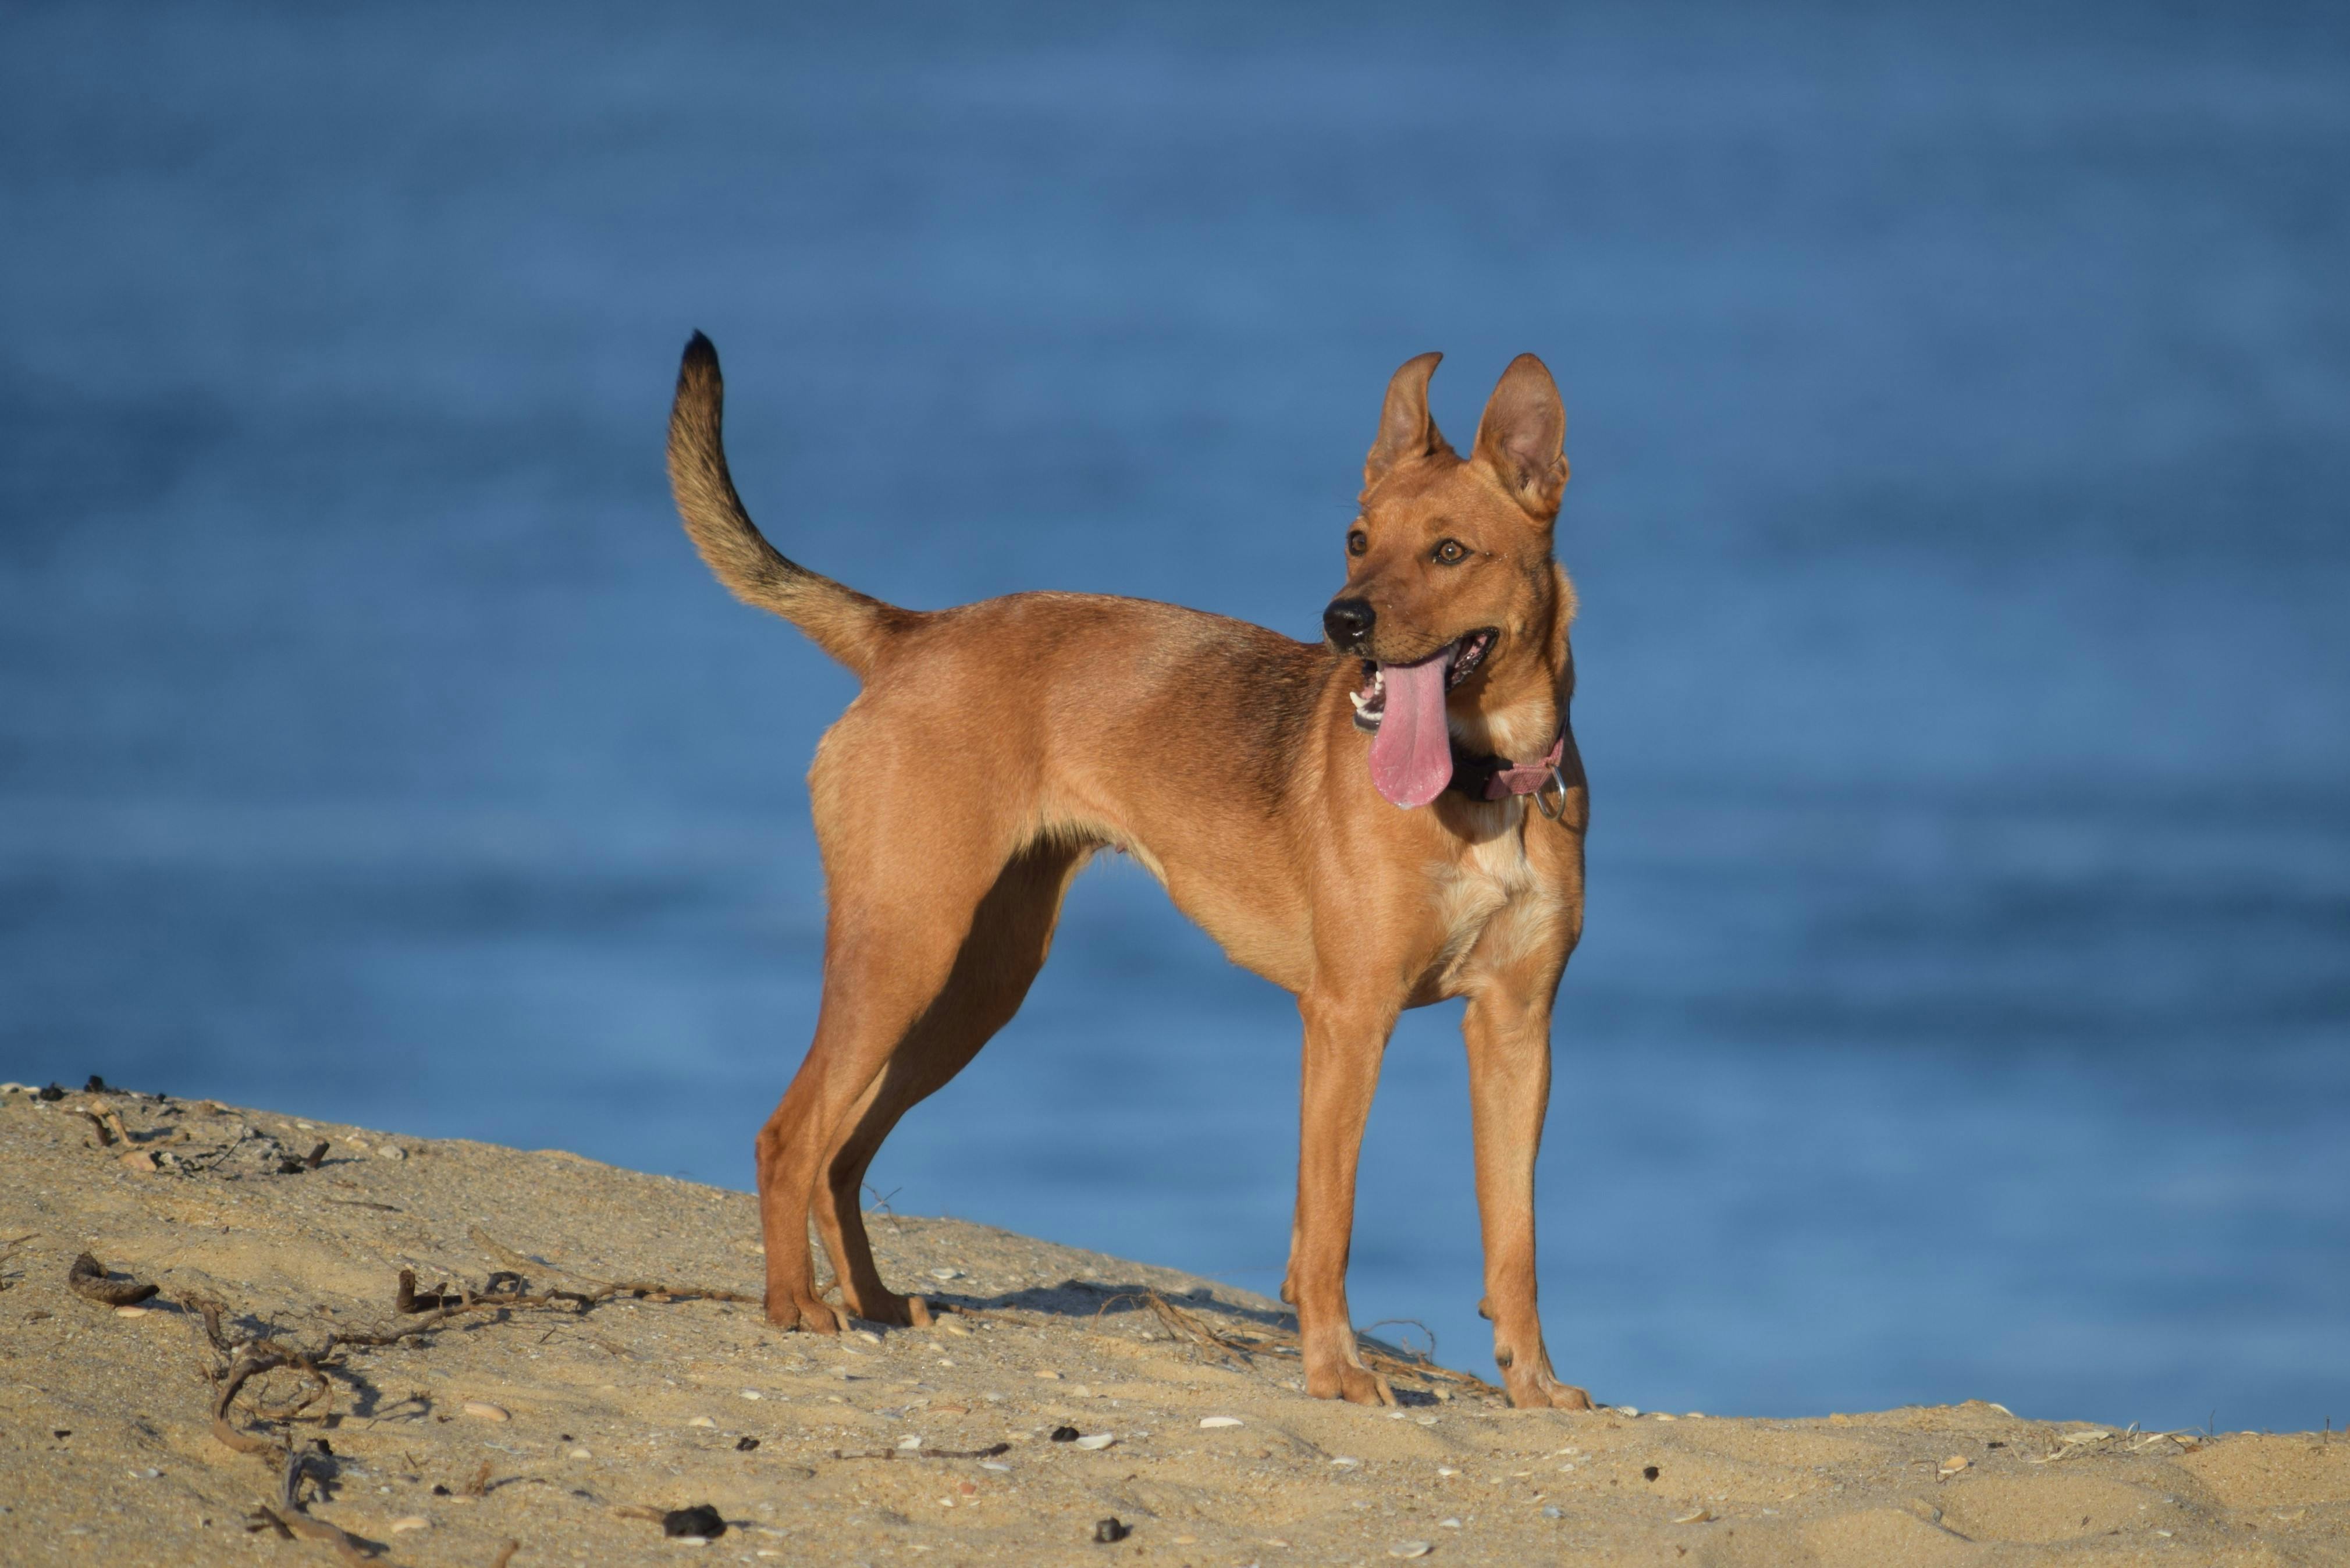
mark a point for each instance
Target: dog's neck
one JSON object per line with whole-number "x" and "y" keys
{"x": 1520, "y": 711}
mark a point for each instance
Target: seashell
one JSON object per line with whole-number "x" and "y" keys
{"x": 1410, "y": 1549}
{"x": 1697, "y": 1516}
{"x": 486, "y": 1412}
{"x": 1219, "y": 1421}
{"x": 1096, "y": 1441}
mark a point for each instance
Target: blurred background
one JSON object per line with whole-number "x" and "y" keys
{"x": 1957, "y": 402}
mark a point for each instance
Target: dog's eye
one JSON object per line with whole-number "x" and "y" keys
{"x": 1357, "y": 542}
{"x": 1451, "y": 552}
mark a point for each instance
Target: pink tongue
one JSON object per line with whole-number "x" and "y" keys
{"x": 1411, "y": 755}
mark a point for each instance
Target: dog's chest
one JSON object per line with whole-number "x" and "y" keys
{"x": 1491, "y": 904}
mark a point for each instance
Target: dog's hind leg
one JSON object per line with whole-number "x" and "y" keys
{"x": 893, "y": 937}
{"x": 1011, "y": 932}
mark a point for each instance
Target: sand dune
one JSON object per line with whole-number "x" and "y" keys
{"x": 600, "y": 1366}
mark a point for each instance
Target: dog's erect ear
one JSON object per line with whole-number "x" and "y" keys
{"x": 1405, "y": 430}
{"x": 1521, "y": 436}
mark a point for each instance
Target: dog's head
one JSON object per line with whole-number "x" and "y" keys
{"x": 1450, "y": 585}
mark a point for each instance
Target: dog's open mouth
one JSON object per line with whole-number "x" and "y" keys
{"x": 1461, "y": 658}
{"x": 1403, "y": 706}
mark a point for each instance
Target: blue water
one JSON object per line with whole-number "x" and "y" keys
{"x": 1957, "y": 404}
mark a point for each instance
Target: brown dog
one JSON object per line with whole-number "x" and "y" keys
{"x": 1363, "y": 873}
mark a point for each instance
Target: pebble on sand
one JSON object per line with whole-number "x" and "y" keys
{"x": 413, "y": 1521}
{"x": 1098, "y": 1440}
{"x": 485, "y": 1411}
{"x": 701, "y": 1421}
{"x": 1219, "y": 1420}
{"x": 1410, "y": 1549}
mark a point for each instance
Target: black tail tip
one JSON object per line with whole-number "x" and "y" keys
{"x": 701, "y": 354}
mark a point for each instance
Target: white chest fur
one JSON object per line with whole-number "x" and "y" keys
{"x": 1493, "y": 906}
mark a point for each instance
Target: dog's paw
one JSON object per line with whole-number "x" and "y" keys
{"x": 803, "y": 1310}
{"x": 1542, "y": 1390}
{"x": 896, "y": 1311}
{"x": 1354, "y": 1384}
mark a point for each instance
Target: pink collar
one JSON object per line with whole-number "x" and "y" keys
{"x": 1498, "y": 778}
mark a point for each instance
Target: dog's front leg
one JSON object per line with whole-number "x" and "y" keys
{"x": 1344, "y": 1043}
{"x": 1507, "y": 1028}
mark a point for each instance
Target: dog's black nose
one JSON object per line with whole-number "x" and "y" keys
{"x": 1347, "y": 622}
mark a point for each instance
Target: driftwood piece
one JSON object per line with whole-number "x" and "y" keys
{"x": 87, "y": 1278}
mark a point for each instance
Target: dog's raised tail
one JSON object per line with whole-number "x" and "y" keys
{"x": 851, "y": 627}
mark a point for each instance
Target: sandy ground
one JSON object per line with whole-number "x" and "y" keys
{"x": 569, "y": 1429}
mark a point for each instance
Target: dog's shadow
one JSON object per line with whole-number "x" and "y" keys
{"x": 1262, "y": 1332}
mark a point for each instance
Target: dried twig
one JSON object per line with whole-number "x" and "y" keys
{"x": 251, "y": 1363}
{"x": 406, "y": 1300}
{"x": 9, "y": 1254}
{"x": 605, "y": 1290}
{"x": 87, "y": 1278}
{"x": 986, "y": 1453}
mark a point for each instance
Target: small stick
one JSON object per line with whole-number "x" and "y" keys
{"x": 249, "y": 1364}
{"x": 604, "y": 1290}
{"x": 986, "y": 1453}
{"x": 406, "y": 1300}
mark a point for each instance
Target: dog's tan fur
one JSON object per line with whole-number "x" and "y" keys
{"x": 997, "y": 745}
